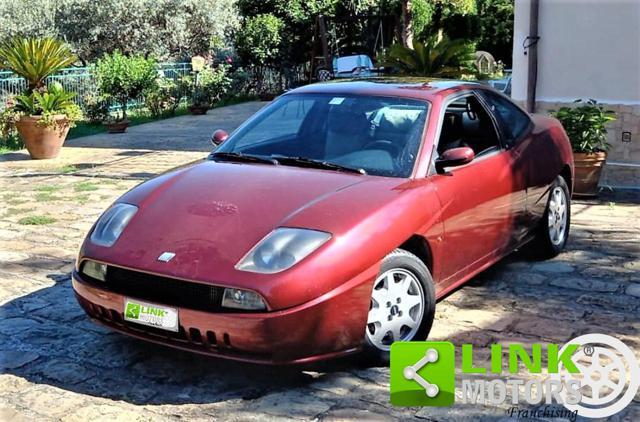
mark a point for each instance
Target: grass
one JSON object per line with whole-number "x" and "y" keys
{"x": 67, "y": 169}
{"x": 46, "y": 197}
{"x": 12, "y": 211}
{"x": 82, "y": 199}
{"x": 47, "y": 188}
{"x": 15, "y": 201}
{"x": 86, "y": 187}
{"x": 46, "y": 193}
{"x": 36, "y": 220}
{"x": 14, "y": 198}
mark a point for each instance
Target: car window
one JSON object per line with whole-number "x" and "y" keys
{"x": 467, "y": 123}
{"x": 381, "y": 135}
{"x": 513, "y": 121}
{"x": 284, "y": 123}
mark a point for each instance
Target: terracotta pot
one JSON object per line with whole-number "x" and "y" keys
{"x": 198, "y": 110}
{"x": 588, "y": 169}
{"x": 267, "y": 96}
{"x": 117, "y": 127}
{"x": 43, "y": 142}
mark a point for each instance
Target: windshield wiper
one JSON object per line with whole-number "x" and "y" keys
{"x": 240, "y": 157}
{"x": 308, "y": 162}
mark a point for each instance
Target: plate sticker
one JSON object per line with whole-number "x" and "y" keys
{"x": 152, "y": 315}
{"x": 336, "y": 101}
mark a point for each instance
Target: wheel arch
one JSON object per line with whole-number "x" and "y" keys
{"x": 566, "y": 175}
{"x": 419, "y": 246}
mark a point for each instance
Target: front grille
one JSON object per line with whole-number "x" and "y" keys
{"x": 163, "y": 290}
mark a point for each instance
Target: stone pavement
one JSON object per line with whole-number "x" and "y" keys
{"x": 56, "y": 365}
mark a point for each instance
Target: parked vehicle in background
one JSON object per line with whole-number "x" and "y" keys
{"x": 330, "y": 222}
{"x": 355, "y": 66}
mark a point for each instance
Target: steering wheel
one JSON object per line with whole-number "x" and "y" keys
{"x": 385, "y": 145}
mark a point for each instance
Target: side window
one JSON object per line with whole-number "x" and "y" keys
{"x": 513, "y": 121}
{"x": 468, "y": 124}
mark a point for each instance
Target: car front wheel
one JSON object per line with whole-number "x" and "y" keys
{"x": 402, "y": 305}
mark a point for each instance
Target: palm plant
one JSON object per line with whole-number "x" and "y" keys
{"x": 35, "y": 58}
{"x": 438, "y": 56}
{"x": 55, "y": 100}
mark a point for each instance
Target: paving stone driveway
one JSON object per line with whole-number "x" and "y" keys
{"x": 58, "y": 366}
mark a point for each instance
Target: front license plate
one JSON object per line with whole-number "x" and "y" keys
{"x": 158, "y": 316}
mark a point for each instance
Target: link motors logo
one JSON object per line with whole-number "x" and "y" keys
{"x": 594, "y": 376}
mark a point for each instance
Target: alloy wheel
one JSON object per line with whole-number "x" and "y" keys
{"x": 397, "y": 308}
{"x": 557, "y": 215}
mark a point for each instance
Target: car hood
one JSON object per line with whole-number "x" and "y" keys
{"x": 211, "y": 214}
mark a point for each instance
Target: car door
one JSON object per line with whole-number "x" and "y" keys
{"x": 478, "y": 202}
{"x": 529, "y": 157}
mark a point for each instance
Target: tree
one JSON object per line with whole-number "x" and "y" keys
{"x": 166, "y": 29}
{"x": 298, "y": 19}
{"x": 124, "y": 78}
{"x": 28, "y": 18}
{"x": 495, "y": 22}
{"x": 439, "y": 57}
{"x": 422, "y": 18}
{"x": 258, "y": 41}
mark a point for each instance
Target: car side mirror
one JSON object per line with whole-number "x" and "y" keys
{"x": 454, "y": 157}
{"x": 219, "y": 136}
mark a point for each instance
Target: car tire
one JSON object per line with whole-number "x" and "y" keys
{"x": 323, "y": 75}
{"x": 410, "y": 274}
{"x": 553, "y": 232}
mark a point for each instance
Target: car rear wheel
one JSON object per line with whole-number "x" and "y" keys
{"x": 402, "y": 305}
{"x": 553, "y": 232}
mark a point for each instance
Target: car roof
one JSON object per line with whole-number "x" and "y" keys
{"x": 410, "y": 87}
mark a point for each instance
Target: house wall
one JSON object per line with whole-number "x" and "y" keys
{"x": 588, "y": 49}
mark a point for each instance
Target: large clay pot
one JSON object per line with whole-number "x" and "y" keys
{"x": 43, "y": 142}
{"x": 119, "y": 126}
{"x": 198, "y": 110}
{"x": 588, "y": 169}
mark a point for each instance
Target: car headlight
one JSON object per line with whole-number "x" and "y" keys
{"x": 242, "y": 299}
{"x": 95, "y": 270}
{"x": 281, "y": 249}
{"x": 111, "y": 224}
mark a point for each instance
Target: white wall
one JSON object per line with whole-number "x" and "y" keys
{"x": 587, "y": 49}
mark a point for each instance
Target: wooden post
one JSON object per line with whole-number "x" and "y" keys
{"x": 325, "y": 45}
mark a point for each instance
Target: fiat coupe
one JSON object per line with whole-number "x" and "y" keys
{"x": 330, "y": 222}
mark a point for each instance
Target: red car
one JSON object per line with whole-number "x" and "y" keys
{"x": 330, "y": 222}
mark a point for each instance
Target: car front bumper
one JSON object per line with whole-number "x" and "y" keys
{"x": 329, "y": 326}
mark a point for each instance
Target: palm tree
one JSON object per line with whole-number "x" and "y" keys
{"x": 438, "y": 56}
{"x": 35, "y": 58}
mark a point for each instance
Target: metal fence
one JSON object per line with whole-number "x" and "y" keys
{"x": 78, "y": 80}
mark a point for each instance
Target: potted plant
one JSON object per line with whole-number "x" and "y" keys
{"x": 41, "y": 115}
{"x": 199, "y": 101}
{"x": 124, "y": 79}
{"x": 199, "y": 104}
{"x": 586, "y": 128}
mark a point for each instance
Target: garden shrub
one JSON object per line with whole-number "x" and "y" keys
{"x": 124, "y": 78}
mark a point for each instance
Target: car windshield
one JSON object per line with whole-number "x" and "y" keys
{"x": 377, "y": 135}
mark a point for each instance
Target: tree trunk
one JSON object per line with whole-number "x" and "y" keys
{"x": 123, "y": 102}
{"x": 407, "y": 24}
